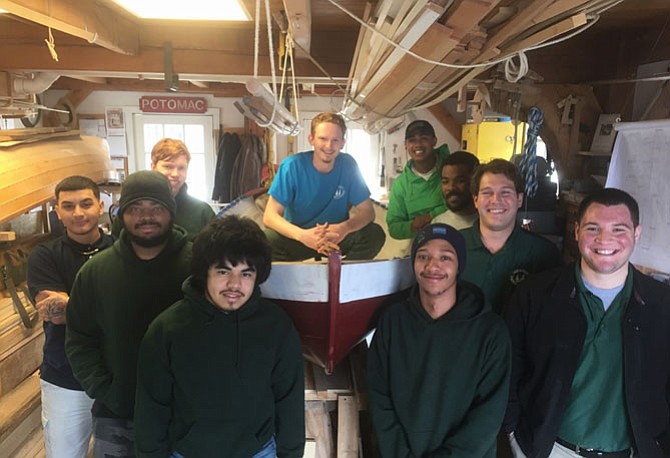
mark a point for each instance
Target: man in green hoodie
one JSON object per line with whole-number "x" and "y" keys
{"x": 114, "y": 298}
{"x": 440, "y": 360}
{"x": 416, "y": 195}
{"x": 221, "y": 372}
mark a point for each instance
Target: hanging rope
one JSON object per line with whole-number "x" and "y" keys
{"x": 51, "y": 44}
{"x": 528, "y": 164}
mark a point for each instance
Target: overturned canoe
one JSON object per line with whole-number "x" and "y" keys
{"x": 32, "y": 166}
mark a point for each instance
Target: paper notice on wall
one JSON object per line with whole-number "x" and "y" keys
{"x": 641, "y": 166}
{"x": 117, "y": 145}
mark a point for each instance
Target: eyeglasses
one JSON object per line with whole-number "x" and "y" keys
{"x": 137, "y": 210}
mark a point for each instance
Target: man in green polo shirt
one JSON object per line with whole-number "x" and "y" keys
{"x": 500, "y": 253}
{"x": 590, "y": 343}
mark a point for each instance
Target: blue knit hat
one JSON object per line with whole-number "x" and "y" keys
{"x": 444, "y": 232}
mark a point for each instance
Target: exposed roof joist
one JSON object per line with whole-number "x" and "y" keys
{"x": 88, "y": 20}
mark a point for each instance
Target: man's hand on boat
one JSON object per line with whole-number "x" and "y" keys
{"x": 51, "y": 306}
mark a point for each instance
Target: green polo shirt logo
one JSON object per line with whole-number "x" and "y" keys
{"x": 518, "y": 275}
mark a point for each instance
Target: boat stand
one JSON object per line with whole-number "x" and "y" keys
{"x": 337, "y": 422}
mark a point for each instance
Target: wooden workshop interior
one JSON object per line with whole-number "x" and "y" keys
{"x": 95, "y": 75}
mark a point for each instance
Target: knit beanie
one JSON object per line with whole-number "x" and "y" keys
{"x": 147, "y": 184}
{"x": 444, "y": 232}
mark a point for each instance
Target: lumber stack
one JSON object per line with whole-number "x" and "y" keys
{"x": 385, "y": 82}
{"x": 20, "y": 357}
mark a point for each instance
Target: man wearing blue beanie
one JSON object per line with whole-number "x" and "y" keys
{"x": 439, "y": 364}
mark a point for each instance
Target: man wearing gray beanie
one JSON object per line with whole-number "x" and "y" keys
{"x": 440, "y": 360}
{"x": 116, "y": 296}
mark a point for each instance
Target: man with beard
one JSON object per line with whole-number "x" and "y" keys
{"x": 170, "y": 157}
{"x": 456, "y": 176}
{"x": 115, "y": 297}
{"x": 590, "y": 345}
{"x": 415, "y": 195}
{"x": 220, "y": 372}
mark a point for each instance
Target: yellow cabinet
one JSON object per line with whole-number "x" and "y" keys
{"x": 493, "y": 139}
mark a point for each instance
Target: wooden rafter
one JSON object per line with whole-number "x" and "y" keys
{"x": 88, "y": 20}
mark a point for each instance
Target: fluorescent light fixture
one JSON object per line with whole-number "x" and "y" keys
{"x": 204, "y": 10}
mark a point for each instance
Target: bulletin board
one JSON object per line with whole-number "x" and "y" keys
{"x": 640, "y": 165}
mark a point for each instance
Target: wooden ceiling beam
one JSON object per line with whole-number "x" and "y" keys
{"x": 31, "y": 57}
{"x": 186, "y": 87}
{"x": 88, "y": 20}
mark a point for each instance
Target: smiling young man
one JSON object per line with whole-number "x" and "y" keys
{"x": 415, "y": 195}
{"x": 52, "y": 267}
{"x": 591, "y": 344}
{"x": 456, "y": 177}
{"x": 170, "y": 157}
{"x": 115, "y": 297}
{"x": 500, "y": 253}
{"x": 307, "y": 213}
{"x": 439, "y": 363}
{"x": 221, "y": 372}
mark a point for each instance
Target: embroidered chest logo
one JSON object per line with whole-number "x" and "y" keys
{"x": 518, "y": 275}
{"x": 339, "y": 192}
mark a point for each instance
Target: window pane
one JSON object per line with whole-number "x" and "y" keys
{"x": 195, "y": 138}
{"x": 174, "y": 131}
{"x": 196, "y": 180}
{"x": 152, "y": 133}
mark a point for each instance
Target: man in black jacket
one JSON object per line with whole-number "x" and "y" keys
{"x": 590, "y": 345}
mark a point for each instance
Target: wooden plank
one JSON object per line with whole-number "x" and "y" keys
{"x": 90, "y": 21}
{"x": 17, "y": 405}
{"x": 33, "y": 446}
{"x": 515, "y": 25}
{"x": 318, "y": 427}
{"x": 19, "y": 362}
{"x": 548, "y": 33}
{"x": 420, "y": 27}
{"x": 463, "y": 19}
{"x": 347, "y": 428}
{"x": 17, "y": 436}
{"x": 435, "y": 44}
{"x": 17, "y": 332}
{"x": 7, "y": 236}
{"x": 363, "y": 35}
{"x": 560, "y": 7}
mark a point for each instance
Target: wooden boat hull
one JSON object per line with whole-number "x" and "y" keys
{"x": 30, "y": 170}
{"x": 335, "y": 305}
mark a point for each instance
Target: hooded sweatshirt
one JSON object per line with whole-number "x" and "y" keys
{"x": 114, "y": 298}
{"x": 220, "y": 383}
{"x": 439, "y": 387}
{"x": 412, "y": 195}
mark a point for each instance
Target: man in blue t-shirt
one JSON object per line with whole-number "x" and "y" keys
{"x": 310, "y": 198}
